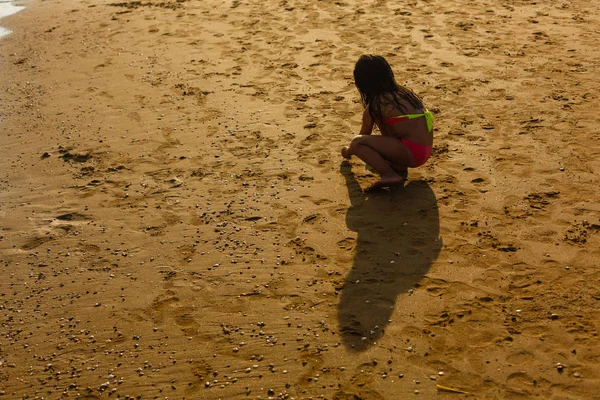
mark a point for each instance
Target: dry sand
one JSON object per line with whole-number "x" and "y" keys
{"x": 177, "y": 221}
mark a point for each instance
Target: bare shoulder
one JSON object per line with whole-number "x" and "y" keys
{"x": 396, "y": 105}
{"x": 389, "y": 105}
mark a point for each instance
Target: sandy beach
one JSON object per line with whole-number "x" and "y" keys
{"x": 176, "y": 221}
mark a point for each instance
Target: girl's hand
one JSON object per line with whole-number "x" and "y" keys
{"x": 346, "y": 152}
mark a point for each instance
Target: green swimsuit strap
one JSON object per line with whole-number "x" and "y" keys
{"x": 429, "y": 119}
{"x": 427, "y": 115}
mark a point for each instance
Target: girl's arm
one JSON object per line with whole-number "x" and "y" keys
{"x": 367, "y": 123}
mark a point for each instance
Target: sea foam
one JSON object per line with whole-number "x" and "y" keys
{"x": 7, "y": 8}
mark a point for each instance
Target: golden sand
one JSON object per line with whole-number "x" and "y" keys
{"x": 177, "y": 221}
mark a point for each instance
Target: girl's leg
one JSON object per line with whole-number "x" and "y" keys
{"x": 387, "y": 155}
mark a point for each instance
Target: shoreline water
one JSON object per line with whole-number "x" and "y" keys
{"x": 7, "y": 8}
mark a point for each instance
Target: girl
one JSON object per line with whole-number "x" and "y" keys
{"x": 405, "y": 124}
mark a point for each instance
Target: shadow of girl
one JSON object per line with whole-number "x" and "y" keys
{"x": 398, "y": 240}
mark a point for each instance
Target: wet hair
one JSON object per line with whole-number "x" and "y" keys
{"x": 375, "y": 82}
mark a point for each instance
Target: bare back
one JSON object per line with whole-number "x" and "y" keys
{"x": 414, "y": 130}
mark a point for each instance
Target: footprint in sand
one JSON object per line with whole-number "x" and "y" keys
{"x": 520, "y": 357}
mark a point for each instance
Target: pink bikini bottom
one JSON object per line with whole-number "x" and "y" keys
{"x": 419, "y": 152}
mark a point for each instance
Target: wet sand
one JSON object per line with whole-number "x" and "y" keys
{"x": 177, "y": 221}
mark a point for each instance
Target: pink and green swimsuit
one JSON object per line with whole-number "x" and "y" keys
{"x": 419, "y": 152}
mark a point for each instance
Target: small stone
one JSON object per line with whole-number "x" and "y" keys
{"x": 410, "y": 349}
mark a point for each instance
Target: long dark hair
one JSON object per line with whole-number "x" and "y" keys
{"x": 374, "y": 78}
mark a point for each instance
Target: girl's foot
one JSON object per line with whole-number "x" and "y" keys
{"x": 402, "y": 172}
{"x": 346, "y": 152}
{"x": 387, "y": 181}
